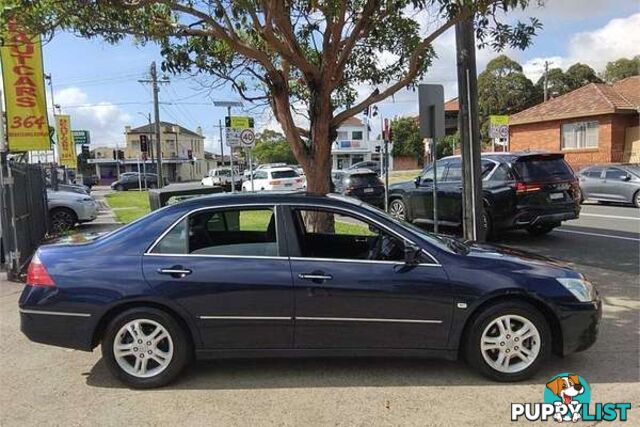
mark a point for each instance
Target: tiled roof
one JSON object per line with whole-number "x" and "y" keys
{"x": 452, "y": 105}
{"x": 352, "y": 121}
{"x": 589, "y": 100}
{"x": 151, "y": 128}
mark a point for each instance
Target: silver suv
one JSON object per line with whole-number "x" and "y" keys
{"x": 67, "y": 208}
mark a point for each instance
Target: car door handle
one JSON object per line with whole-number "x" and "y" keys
{"x": 314, "y": 276}
{"x": 175, "y": 271}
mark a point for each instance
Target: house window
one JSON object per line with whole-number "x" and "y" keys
{"x": 579, "y": 135}
{"x": 342, "y": 135}
{"x": 356, "y": 135}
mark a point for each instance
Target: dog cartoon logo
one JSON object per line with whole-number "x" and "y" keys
{"x": 567, "y": 392}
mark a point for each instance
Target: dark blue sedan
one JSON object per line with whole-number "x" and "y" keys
{"x": 275, "y": 275}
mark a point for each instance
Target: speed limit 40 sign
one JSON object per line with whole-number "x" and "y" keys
{"x": 247, "y": 138}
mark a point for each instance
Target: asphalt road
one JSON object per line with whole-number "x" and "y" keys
{"x": 52, "y": 386}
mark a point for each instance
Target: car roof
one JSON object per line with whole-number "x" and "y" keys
{"x": 360, "y": 171}
{"x": 268, "y": 197}
{"x": 279, "y": 169}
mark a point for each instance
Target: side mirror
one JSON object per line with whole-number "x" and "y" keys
{"x": 626, "y": 177}
{"x": 411, "y": 254}
{"x": 417, "y": 181}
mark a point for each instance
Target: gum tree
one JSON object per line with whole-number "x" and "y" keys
{"x": 310, "y": 56}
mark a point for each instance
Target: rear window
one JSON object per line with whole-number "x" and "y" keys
{"x": 543, "y": 169}
{"x": 361, "y": 180}
{"x": 284, "y": 174}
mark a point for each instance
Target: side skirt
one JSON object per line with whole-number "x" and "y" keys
{"x": 349, "y": 352}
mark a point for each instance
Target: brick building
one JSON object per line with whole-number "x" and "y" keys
{"x": 597, "y": 123}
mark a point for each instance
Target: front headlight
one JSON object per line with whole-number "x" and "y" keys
{"x": 582, "y": 289}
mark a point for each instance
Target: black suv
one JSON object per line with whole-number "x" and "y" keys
{"x": 129, "y": 181}
{"x": 362, "y": 184}
{"x": 532, "y": 191}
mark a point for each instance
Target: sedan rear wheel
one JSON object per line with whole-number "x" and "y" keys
{"x": 145, "y": 347}
{"x": 636, "y": 199}
{"x": 397, "y": 209}
{"x": 508, "y": 341}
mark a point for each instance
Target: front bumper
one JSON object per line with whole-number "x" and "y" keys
{"x": 87, "y": 211}
{"x": 579, "y": 323}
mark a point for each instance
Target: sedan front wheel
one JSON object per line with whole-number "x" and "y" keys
{"x": 508, "y": 341}
{"x": 145, "y": 347}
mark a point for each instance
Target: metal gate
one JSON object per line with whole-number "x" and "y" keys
{"x": 23, "y": 213}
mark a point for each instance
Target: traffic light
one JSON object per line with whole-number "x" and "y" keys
{"x": 120, "y": 155}
{"x": 114, "y": 154}
{"x": 143, "y": 144}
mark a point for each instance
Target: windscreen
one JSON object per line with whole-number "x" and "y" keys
{"x": 363, "y": 180}
{"x": 284, "y": 174}
{"x": 543, "y": 169}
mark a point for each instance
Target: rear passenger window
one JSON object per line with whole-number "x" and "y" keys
{"x": 502, "y": 173}
{"x": 240, "y": 232}
{"x": 593, "y": 173}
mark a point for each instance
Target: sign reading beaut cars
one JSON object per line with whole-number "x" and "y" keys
{"x": 23, "y": 81}
{"x": 66, "y": 145}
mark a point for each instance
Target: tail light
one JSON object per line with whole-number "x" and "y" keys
{"x": 349, "y": 190}
{"x": 37, "y": 274}
{"x": 298, "y": 180}
{"x": 276, "y": 182}
{"x": 524, "y": 187}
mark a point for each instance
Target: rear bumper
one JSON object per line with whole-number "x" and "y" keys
{"x": 62, "y": 329}
{"x": 527, "y": 217}
{"x": 579, "y": 323}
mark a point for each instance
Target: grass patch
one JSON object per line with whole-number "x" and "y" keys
{"x": 402, "y": 176}
{"x": 128, "y": 205}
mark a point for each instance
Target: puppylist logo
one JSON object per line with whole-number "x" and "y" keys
{"x": 567, "y": 397}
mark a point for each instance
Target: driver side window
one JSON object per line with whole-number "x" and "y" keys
{"x": 427, "y": 175}
{"x": 332, "y": 235}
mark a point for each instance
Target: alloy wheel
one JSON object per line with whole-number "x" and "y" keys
{"x": 62, "y": 220}
{"x": 143, "y": 348}
{"x": 510, "y": 344}
{"x": 396, "y": 209}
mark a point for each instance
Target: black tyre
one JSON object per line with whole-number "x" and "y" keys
{"x": 508, "y": 341}
{"x": 120, "y": 187}
{"x": 636, "y": 199}
{"x": 487, "y": 225}
{"x": 541, "y": 230}
{"x": 62, "y": 219}
{"x": 146, "y": 347}
{"x": 398, "y": 209}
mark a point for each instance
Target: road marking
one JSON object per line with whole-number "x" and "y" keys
{"x": 598, "y": 235}
{"x": 611, "y": 216}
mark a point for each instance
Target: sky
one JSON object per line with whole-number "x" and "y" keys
{"x": 97, "y": 83}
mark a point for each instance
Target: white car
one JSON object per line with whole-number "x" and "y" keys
{"x": 67, "y": 208}
{"x": 221, "y": 177}
{"x": 275, "y": 179}
{"x": 247, "y": 172}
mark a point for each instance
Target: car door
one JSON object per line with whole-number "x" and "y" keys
{"x": 260, "y": 180}
{"x": 615, "y": 185}
{"x": 353, "y": 290}
{"x": 450, "y": 194}
{"x": 420, "y": 199}
{"x": 591, "y": 182}
{"x": 228, "y": 268}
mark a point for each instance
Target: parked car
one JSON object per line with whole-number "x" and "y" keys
{"x": 67, "y": 208}
{"x": 368, "y": 164}
{"x": 222, "y": 177}
{"x": 531, "y": 191}
{"x": 612, "y": 183}
{"x": 252, "y": 275}
{"x": 362, "y": 184}
{"x": 247, "y": 172}
{"x": 132, "y": 180}
{"x": 81, "y": 189}
{"x": 275, "y": 179}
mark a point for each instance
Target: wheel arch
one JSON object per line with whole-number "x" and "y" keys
{"x": 109, "y": 315}
{"x": 544, "y": 309}
{"x": 64, "y": 208}
{"x": 401, "y": 195}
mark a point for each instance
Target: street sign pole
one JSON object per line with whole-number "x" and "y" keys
{"x": 434, "y": 187}
{"x": 139, "y": 176}
{"x": 251, "y": 167}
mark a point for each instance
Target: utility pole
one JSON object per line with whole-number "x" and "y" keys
{"x": 156, "y": 110}
{"x": 469, "y": 131}
{"x": 546, "y": 80}
{"x": 221, "y": 143}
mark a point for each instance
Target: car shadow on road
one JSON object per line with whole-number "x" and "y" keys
{"x": 240, "y": 374}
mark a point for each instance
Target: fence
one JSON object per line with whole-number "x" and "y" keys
{"x": 23, "y": 214}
